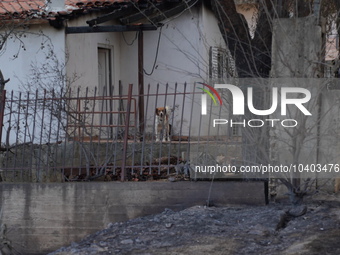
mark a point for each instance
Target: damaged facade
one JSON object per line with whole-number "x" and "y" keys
{"x": 101, "y": 44}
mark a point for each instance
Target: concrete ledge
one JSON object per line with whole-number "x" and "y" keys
{"x": 45, "y": 217}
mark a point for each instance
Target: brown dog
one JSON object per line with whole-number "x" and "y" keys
{"x": 162, "y": 125}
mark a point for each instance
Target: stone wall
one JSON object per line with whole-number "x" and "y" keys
{"x": 44, "y": 217}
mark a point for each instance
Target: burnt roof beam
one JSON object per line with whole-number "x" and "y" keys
{"x": 114, "y": 28}
{"x": 128, "y": 14}
{"x": 118, "y": 13}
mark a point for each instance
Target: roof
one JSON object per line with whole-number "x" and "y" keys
{"x": 127, "y": 12}
{"x": 36, "y": 9}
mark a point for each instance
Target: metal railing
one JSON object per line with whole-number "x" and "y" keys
{"x": 59, "y": 136}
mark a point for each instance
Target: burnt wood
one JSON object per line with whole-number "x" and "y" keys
{"x": 114, "y": 28}
{"x": 121, "y": 12}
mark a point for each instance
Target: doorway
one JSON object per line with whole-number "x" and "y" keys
{"x": 105, "y": 89}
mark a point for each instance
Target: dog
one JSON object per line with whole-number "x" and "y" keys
{"x": 162, "y": 124}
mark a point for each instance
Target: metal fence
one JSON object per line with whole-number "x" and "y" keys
{"x": 79, "y": 135}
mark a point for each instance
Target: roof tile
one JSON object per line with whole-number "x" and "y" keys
{"x": 27, "y": 8}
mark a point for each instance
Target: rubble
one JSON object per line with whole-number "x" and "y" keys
{"x": 159, "y": 169}
{"x": 221, "y": 230}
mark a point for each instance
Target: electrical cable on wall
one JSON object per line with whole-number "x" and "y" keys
{"x": 157, "y": 50}
{"x": 129, "y": 44}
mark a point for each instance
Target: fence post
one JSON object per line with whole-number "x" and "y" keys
{"x": 126, "y": 132}
{"x": 2, "y": 111}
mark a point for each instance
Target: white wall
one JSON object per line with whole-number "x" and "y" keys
{"x": 82, "y": 52}
{"x": 82, "y": 62}
{"x": 35, "y": 46}
{"x": 25, "y": 61}
{"x": 183, "y": 56}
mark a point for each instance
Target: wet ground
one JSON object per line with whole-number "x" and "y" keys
{"x": 223, "y": 230}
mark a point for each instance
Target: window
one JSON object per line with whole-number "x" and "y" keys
{"x": 221, "y": 67}
{"x": 220, "y": 64}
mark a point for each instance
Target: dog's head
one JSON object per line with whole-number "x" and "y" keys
{"x": 161, "y": 112}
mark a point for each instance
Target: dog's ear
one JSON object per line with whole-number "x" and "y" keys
{"x": 156, "y": 111}
{"x": 164, "y": 111}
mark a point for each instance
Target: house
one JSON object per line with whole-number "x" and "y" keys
{"x": 105, "y": 43}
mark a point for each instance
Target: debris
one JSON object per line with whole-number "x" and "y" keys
{"x": 127, "y": 241}
{"x": 168, "y": 225}
{"x": 297, "y": 211}
{"x": 159, "y": 169}
{"x": 232, "y": 229}
{"x": 209, "y": 203}
{"x": 171, "y": 179}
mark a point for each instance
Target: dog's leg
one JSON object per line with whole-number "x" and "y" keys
{"x": 164, "y": 135}
{"x": 157, "y": 136}
{"x": 166, "y": 132}
{"x": 156, "y": 130}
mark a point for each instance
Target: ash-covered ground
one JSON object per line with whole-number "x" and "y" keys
{"x": 223, "y": 230}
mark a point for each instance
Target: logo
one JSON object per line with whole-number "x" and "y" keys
{"x": 204, "y": 97}
{"x": 238, "y": 105}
